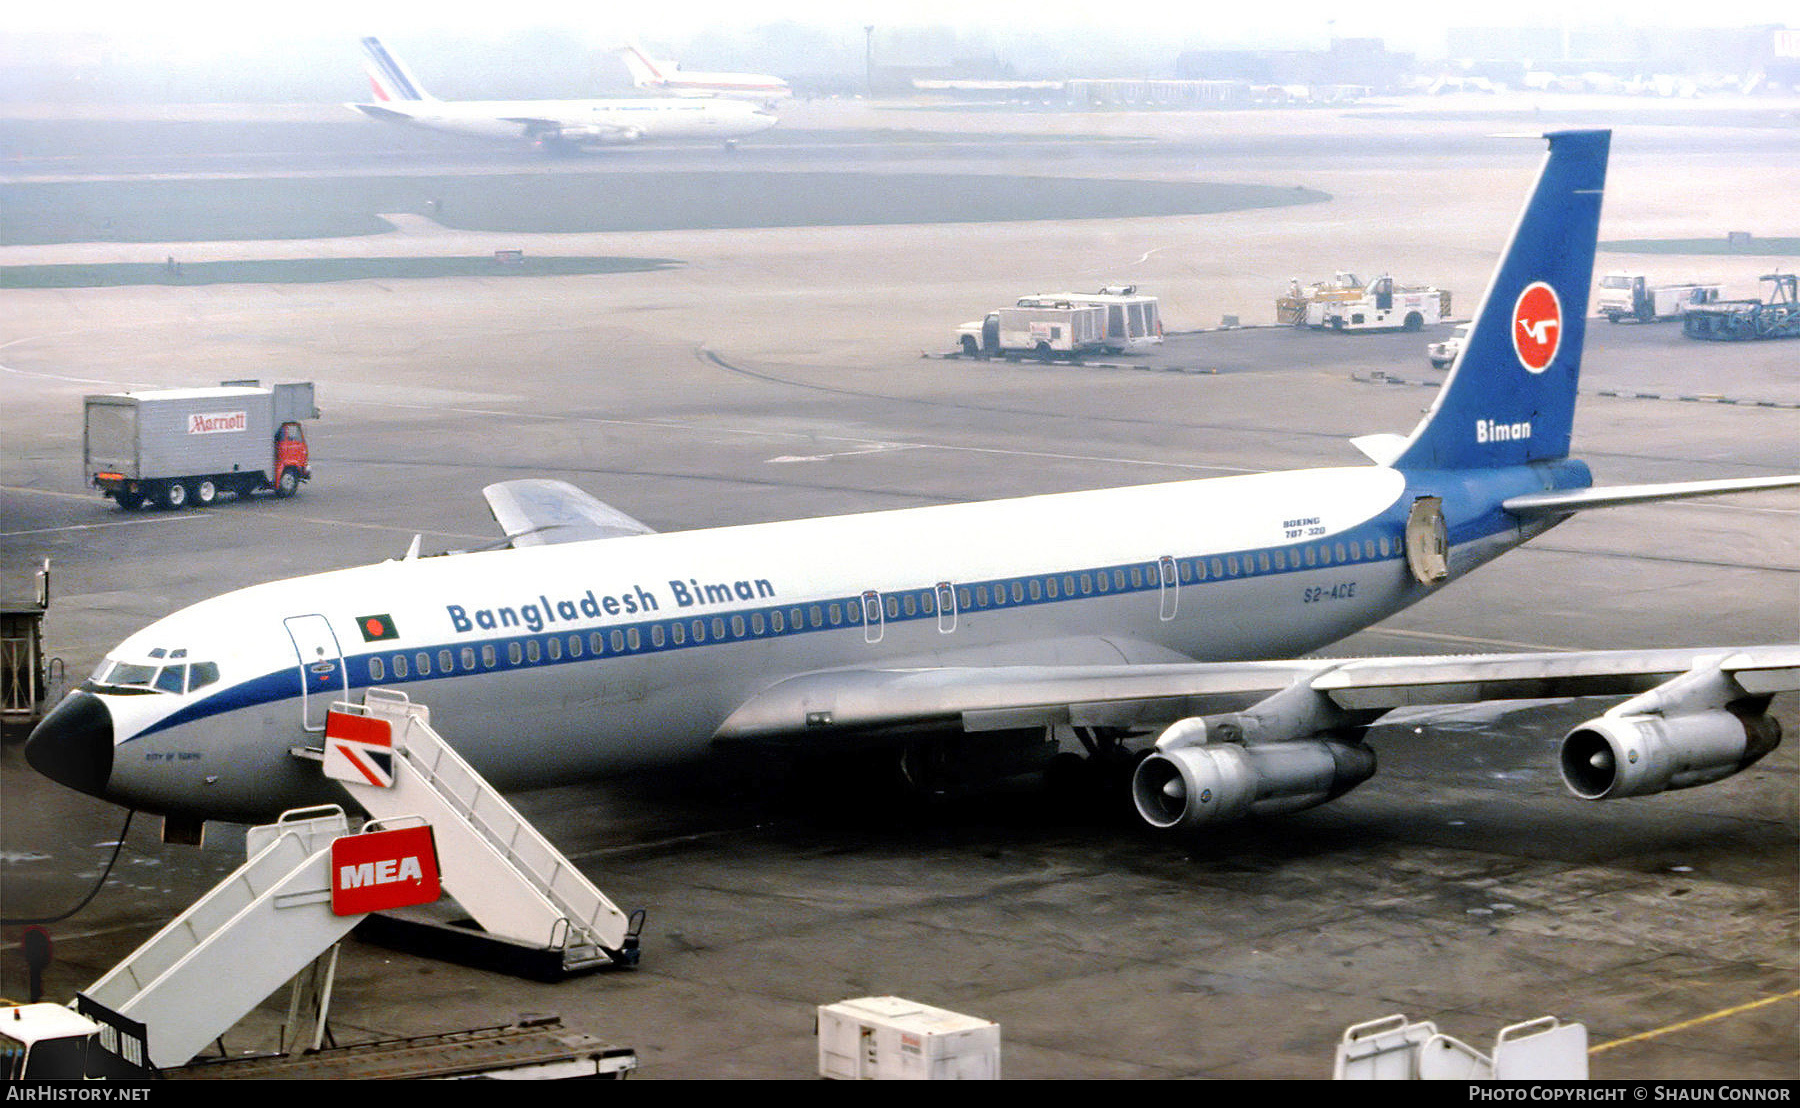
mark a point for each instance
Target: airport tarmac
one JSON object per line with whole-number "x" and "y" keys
{"x": 791, "y": 372}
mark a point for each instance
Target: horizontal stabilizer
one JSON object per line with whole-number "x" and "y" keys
{"x": 539, "y": 512}
{"x": 1534, "y": 505}
{"x": 376, "y": 111}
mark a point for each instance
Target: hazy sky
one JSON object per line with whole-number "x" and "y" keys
{"x": 204, "y": 24}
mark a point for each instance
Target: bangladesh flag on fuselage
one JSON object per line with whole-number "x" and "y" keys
{"x": 377, "y": 628}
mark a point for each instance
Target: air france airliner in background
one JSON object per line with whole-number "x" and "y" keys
{"x": 554, "y": 124}
{"x": 669, "y": 79}
{"x": 1169, "y": 622}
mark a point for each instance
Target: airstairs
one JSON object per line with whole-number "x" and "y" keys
{"x": 307, "y": 881}
{"x": 513, "y": 883}
{"x": 1394, "y": 1048}
{"x": 239, "y": 943}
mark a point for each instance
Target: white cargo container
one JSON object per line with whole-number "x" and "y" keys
{"x": 173, "y": 447}
{"x": 887, "y": 1038}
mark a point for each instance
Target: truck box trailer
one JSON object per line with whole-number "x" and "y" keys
{"x": 1133, "y": 319}
{"x": 172, "y": 447}
{"x": 1632, "y": 296}
{"x": 1044, "y": 331}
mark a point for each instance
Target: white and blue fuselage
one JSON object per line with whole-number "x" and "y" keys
{"x": 563, "y": 661}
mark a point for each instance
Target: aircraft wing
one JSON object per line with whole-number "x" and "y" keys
{"x": 986, "y": 698}
{"x": 537, "y": 512}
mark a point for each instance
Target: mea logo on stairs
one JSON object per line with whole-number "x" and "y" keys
{"x": 380, "y": 870}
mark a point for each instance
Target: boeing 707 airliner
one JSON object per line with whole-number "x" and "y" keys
{"x": 1170, "y": 622}
{"x": 554, "y": 124}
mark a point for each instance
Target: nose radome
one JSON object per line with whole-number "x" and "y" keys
{"x": 73, "y": 745}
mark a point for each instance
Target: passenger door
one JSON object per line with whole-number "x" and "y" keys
{"x": 323, "y": 681}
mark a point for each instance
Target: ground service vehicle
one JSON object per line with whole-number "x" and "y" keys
{"x": 1384, "y": 306}
{"x": 1775, "y": 316}
{"x": 1044, "y": 331}
{"x": 1631, "y": 296}
{"x": 1133, "y": 321}
{"x": 1443, "y": 354}
{"x": 172, "y": 447}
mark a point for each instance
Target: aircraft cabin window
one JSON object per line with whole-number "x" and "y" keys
{"x": 446, "y": 663}
{"x": 836, "y": 614}
{"x": 632, "y": 639}
{"x": 1087, "y": 584}
{"x": 1262, "y": 561}
{"x": 1338, "y": 551}
{"x": 678, "y": 633}
{"x": 489, "y": 656}
{"x": 554, "y": 648}
{"x": 656, "y": 634}
{"x": 468, "y": 658}
{"x": 422, "y": 662}
{"x": 377, "y": 671}
{"x": 400, "y": 668}
{"x": 699, "y": 630}
{"x": 777, "y": 623}
{"x": 1035, "y": 589}
{"x": 737, "y": 627}
{"x": 1281, "y": 559}
{"x": 1018, "y": 593}
{"x": 574, "y": 646}
{"x": 757, "y": 626}
{"x": 1312, "y": 556}
{"x": 1369, "y": 549}
{"x": 618, "y": 641}
{"x": 1118, "y": 576}
{"x": 927, "y": 603}
{"x": 718, "y": 627}
{"x": 1050, "y": 588}
{"x": 815, "y": 616}
{"x": 514, "y": 653}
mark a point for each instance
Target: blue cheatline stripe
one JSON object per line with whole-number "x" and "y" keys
{"x": 1358, "y": 546}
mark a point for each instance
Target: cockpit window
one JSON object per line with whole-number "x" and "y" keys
{"x": 179, "y": 678}
{"x": 124, "y": 673}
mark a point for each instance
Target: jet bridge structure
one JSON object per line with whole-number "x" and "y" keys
{"x": 309, "y": 879}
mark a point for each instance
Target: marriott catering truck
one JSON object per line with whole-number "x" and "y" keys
{"x": 173, "y": 447}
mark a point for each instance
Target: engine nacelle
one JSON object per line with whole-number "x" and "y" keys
{"x": 1186, "y": 787}
{"x": 597, "y": 136}
{"x": 1636, "y": 755}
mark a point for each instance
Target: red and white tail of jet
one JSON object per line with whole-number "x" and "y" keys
{"x": 667, "y": 77}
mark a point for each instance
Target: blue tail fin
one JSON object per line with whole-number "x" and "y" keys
{"x": 1510, "y": 399}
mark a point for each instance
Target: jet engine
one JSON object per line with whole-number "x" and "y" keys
{"x": 574, "y": 138}
{"x": 1636, "y": 755}
{"x": 1189, "y": 782}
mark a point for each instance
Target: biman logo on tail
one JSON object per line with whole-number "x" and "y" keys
{"x": 1537, "y": 326}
